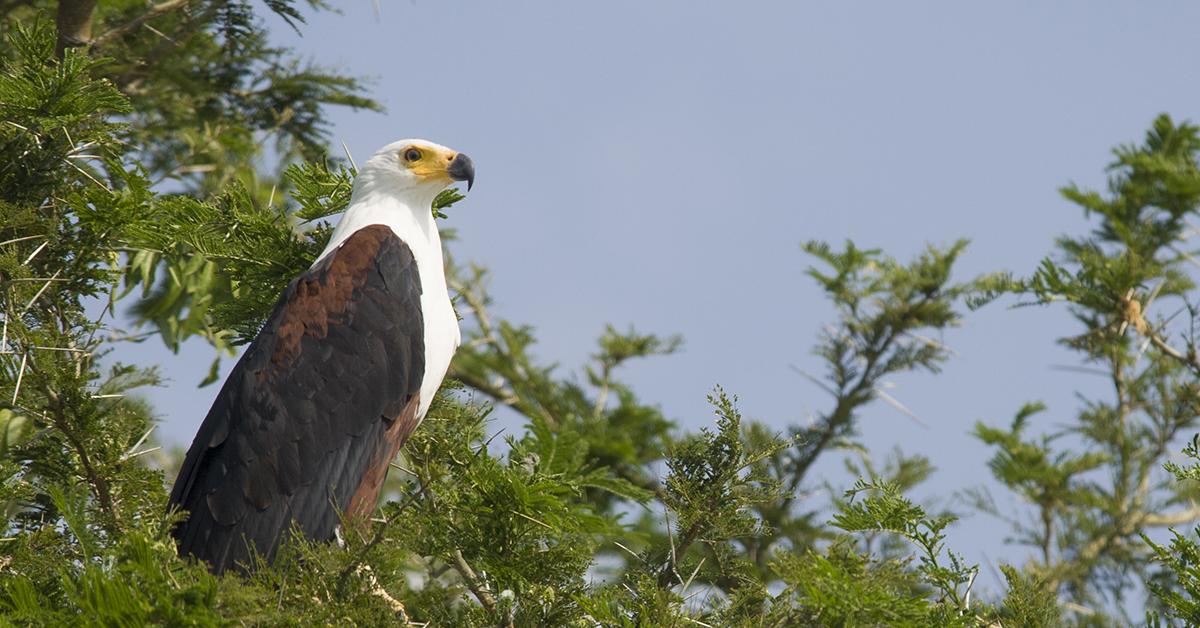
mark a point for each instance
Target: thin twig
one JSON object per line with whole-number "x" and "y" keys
{"x": 602, "y": 395}
{"x": 380, "y": 534}
{"x": 1189, "y": 361}
{"x": 933, "y": 343}
{"x": 1080, "y": 369}
{"x": 402, "y": 469}
{"x": 163, "y": 35}
{"x": 476, "y": 586}
{"x": 137, "y": 22}
{"x": 1172, "y": 519}
{"x": 63, "y": 349}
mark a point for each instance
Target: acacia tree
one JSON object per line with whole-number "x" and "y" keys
{"x": 1097, "y": 486}
{"x": 85, "y": 223}
{"x": 127, "y": 181}
{"x": 204, "y": 93}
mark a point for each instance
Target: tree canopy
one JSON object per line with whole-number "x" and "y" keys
{"x": 132, "y": 180}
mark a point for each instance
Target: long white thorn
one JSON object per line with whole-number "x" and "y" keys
{"x": 349, "y": 157}
{"x": 35, "y": 252}
{"x": 39, "y": 292}
{"x": 15, "y": 240}
{"x": 933, "y": 343}
{"x": 141, "y": 440}
{"x": 20, "y": 375}
{"x": 87, "y": 174}
{"x": 131, "y": 456}
{"x": 693, "y": 576}
{"x": 890, "y": 400}
{"x": 970, "y": 583}
{"x": 629, "y": 551}
{"x": 812, "y": 378}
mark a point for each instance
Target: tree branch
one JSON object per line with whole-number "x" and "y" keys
{"x": 137, "y": 22}
{"x": 670, "y": 574}
{"x": 1189, "y": 360}
{"x": 1172, "y": 519}
{"x": 477, "y": 587}
{"x": 380, "y": 533}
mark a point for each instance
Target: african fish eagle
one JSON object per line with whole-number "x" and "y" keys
{"x": 343, "y": 371}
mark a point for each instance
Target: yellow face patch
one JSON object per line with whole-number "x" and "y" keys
{"x": 428, "y": 163}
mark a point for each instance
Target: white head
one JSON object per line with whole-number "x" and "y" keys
{"x": 396, "y": 187}
{"x": 415, "y": 170}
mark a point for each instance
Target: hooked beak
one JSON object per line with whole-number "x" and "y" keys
{"x": 461, "y": 169}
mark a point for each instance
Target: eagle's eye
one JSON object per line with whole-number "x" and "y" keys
{"x": 412, "y": 155}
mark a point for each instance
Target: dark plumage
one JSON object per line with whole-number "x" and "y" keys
{"x": 309, "y": 418}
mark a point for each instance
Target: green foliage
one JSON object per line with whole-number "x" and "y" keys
{"x": 1056, "y": 482}
{"x": 712, "y": 485}
{"x": 54, "y": 116}
{"x": 883, "y": 307}
{"x": 1029, "y": 467}
{"x": 1093, "y": 484}
{"x": 519, "y": 523}
{"x": 888, "y": 316}
{"x": 1029, "y": 601}
{"x": 843, "y": 588}
{"x": 496, "y": 360}
{"x": 1180, "y": 599}
{"x": 74, "y": 422}
{"x": 1179, "y": 594}
{"x": 130, "y": 187}
{"x": 886, "y": 509}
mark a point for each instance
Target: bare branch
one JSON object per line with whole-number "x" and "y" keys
{"x": 476, "y": 586}
{"x": 1172, "y": 519}
{"x": 1189, "y": 360}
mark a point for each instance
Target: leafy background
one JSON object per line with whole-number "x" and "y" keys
{"x": 893, "y": 126}
{"x": 170, "y": 211}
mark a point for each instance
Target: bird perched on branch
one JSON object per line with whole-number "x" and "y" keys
{"x": 343, "y": 371}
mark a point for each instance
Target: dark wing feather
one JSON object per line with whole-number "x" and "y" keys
{"x": 308, "y": 420}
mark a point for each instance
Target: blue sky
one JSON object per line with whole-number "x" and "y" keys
{"x": 659, "y": 163}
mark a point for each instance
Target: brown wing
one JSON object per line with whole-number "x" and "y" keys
{"x": 308, "y": 420}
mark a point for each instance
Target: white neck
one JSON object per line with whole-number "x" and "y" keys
{"x": 378, "y": 200}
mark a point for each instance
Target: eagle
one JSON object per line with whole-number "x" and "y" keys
{"x": 304, "y": 428}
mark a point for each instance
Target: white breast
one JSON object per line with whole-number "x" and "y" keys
{"x": 442, "y": 335}
{"x": 418, "y": 231}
